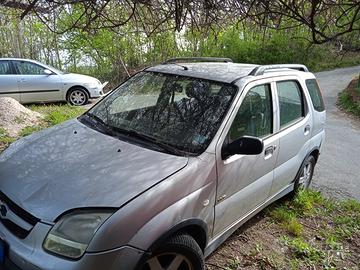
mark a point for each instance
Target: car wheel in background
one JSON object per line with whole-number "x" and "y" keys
{"x": 77, "y": 96}
{"x": 180, "y": 252}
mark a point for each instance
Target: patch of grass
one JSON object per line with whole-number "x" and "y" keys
{"x": 4, "y": 138}
{"x": 347, "y": 102}
{"x": 302, "y": 250}
{"x": 294, "y": 227}
{"x": 29, "y": 130}
{"x": 305, "y": 201}
{"x": 350, "y": 205}
{"x": 233, "y": 264}
{"x": 333, "y": 242}
{"x": 56, "y": 114}
{"x": 282, "y": 214}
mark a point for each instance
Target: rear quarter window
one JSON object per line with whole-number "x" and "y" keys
{"x": 315, "y": 95}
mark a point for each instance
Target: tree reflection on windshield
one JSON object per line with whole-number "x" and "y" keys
{"x": 180, "y": 111}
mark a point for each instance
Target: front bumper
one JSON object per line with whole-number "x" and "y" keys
{"x": 96, "y": 92}
{"x": 28, "y": 254}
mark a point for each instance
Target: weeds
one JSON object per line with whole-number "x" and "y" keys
{"x": 56, "y": 114}
{"x": 347, "y": 102}
{"x": 4, "y": 138}
{"x": 29, "y": 130}
{"x": 294, "y": 227}
{"x": 302, "y": 250}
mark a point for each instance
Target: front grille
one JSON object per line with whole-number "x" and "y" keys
{"x": 19, "y": 212}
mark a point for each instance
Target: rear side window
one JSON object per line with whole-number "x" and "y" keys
{"x": 5, "y": 68}
{"x": 27, "y": 68}
{"x": 315, "y": 95}
{"x": 291, "y": 102}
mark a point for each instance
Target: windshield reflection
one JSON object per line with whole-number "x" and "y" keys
{"x": 181, "y": 112}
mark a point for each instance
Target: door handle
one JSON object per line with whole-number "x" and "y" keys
{"x": 307, "y": 129}
{"x": 269, "y": 151}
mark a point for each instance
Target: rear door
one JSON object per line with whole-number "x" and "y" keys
{"x": 244, "y": 181}
{"x": 35, "y": 85}
{"x": 8, "y": 80}
{"x": 295, "y": 127}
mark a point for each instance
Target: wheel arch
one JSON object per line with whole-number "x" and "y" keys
{"x": 76, "y": 86}
{"x": 196, "y": 228}
{"x": 315, "y": 152}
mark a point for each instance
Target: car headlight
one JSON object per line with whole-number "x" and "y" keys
{"x": 72, "y": 234}
{"x": 93, "y": 83}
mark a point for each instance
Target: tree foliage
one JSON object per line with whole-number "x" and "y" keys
{"x": 327, "y": 20}
{"x": 111, "y": 38}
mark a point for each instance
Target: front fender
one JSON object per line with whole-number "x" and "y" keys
{"x": 187, "y": 195}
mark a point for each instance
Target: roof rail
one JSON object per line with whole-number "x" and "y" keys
{"x": 260, "y": 70}
{"x": 197, "y": 59}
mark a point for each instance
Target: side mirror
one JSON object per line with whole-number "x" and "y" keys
{"x": 245, "y": 145}
{"x": 48, "y": 72}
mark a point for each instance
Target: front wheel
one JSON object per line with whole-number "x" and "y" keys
{"x": 180, "y": 252}
{"x": 305, "y": 176}
{"x": 77, "y": 97}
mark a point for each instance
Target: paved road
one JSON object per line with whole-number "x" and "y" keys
{"x": 338, "y": 170}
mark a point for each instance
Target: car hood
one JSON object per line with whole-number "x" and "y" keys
{"x": 73, "y": 77}
{"x": 73, "y": 166}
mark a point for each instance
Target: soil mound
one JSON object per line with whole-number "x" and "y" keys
{"x": 14, "y": 116}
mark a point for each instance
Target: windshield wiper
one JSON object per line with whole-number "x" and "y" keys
{"x": 98, "y": 123}
{"x": 167, "y": 147}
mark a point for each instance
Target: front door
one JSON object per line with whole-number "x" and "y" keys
{"x": 35, "y": 85}
{"x": 244, "y": 181}
{"x": 8, "y": 81}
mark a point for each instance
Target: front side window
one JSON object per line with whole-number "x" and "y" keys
{"x": 255, "y": 115}
{"x": 5, "y": 68}
{"x": 27, "y": 68}
{"x": 181, "y": 112}
{"x": 290, "y": 101}
{"x": 315, "y": 95}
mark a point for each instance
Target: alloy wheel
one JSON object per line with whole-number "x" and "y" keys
{"x": 78, "y": 97}
{"x": 168, "y": 261}
{"x": 305, "y": 177}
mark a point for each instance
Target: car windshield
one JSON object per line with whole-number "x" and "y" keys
{"x": 180, "y": 112}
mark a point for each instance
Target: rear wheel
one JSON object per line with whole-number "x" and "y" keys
{"x": 77, "y": 97}
{"x": 305, "y": 176}
{"x": 180, "y": 252}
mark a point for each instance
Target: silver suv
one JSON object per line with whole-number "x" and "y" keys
{"x": 162, "y": 170}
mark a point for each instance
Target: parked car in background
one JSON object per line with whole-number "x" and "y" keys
{"x": 30, "y": 81}
{"x": 162, "y": 170}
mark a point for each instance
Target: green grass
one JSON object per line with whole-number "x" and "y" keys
{"x": 303, "y": 250}
{"x": 4, "y": 138}
{"x": 288, "y": 214}
{"x": 29, "y": 130}
{"x": 347, "y": 102}
{"x": 56, "y": 114}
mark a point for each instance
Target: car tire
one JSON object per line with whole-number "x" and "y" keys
{"x": 77, "y": 96}
{"x": 178, "y": 252}
{"x": 305, "y": 175}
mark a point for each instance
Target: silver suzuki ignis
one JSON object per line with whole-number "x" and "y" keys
{"x": 162, "y": 170}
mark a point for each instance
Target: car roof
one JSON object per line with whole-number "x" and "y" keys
{"x": 222, "y": 72}
{"x": 20, "y": 59}
{"x": 228, "y": 72}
